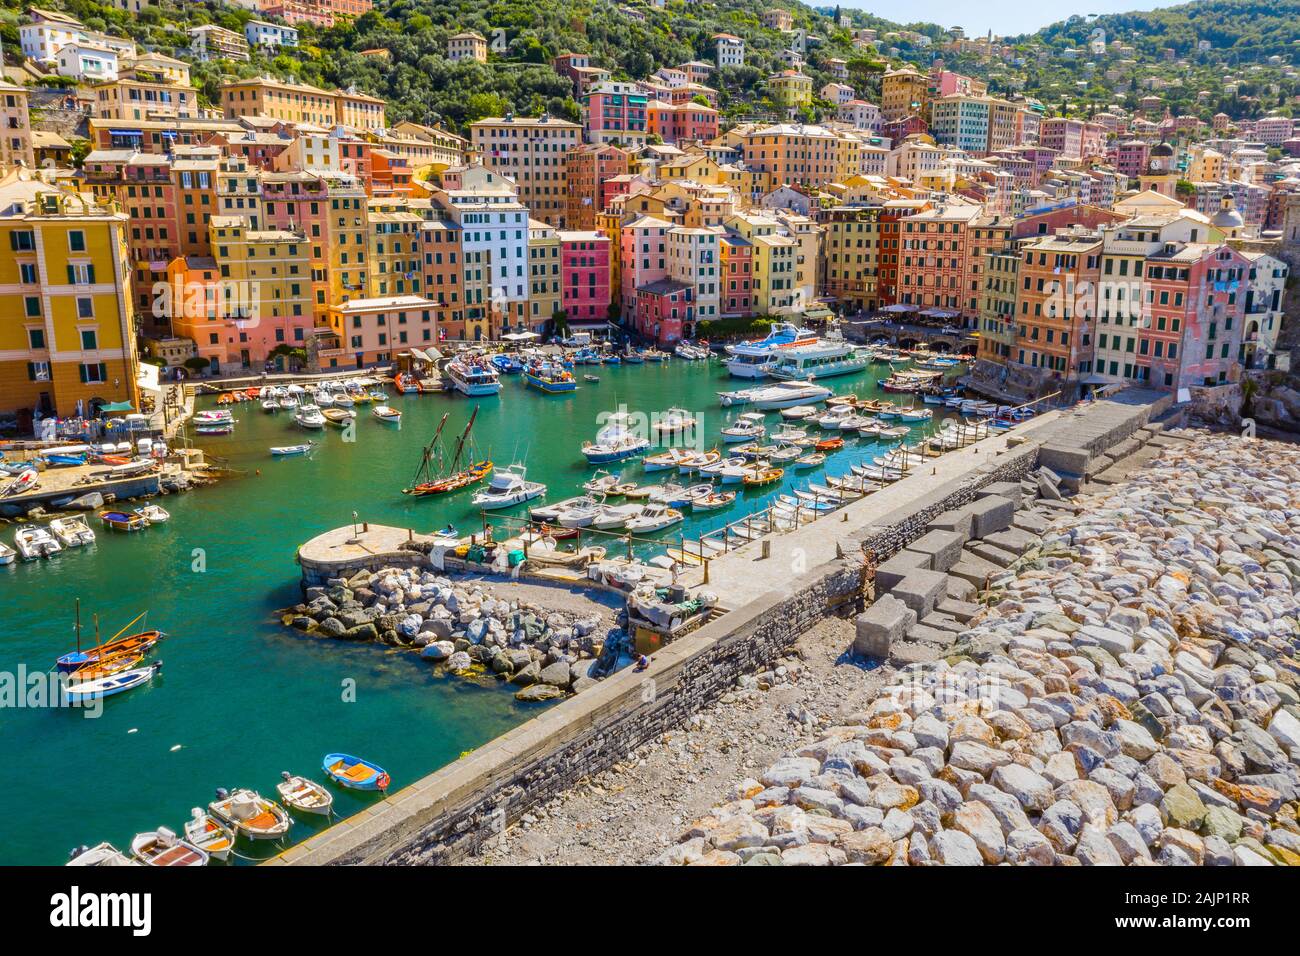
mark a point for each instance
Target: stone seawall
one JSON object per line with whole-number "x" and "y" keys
{"x": 454, "y": 811}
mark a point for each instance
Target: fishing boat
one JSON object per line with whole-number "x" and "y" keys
{"x": 654, "y": 355}
{"x": 162, "y": 847}
{"x": 7, "y": 554}
{"x": 601, "y": 483}
{"x": 549, "y": 377}
{"x": 306, "y": 796}
{"x": 213, "y": 416}
{"x": 750, "y": 359}
{"x": 154, "y": 514}
{"x": 673, "y": 420}
{"x": 757, "y": 477}
{"x": 580, "y": 514}
{"x": 284, "y": 450}
{"x": 507, "y": 364}
{"x": 696, "y": 460}
{"x": 551, "y": 512}
{"x": 386, "y": 413}
{"x": 270, "y": 405}
{"x": 120, "y": 643}
{"x": 915, "y": 415}
{"x": 435, "y": 477}
{"x": 815, "y": 460}
{"x": 508, "y": 487}
{"x": 655, "y": 517}
{"x": 713, "y": 501}
{"x": 785, "y": 454}
{"x": 309, "y": 416}
{"x": 209, "y": 834}
{"x": 101, "y": 854}
{"x": 250, "y": 814}
{"x": 797, "y": 413}
{"x": 615, "y": 441}
{"x": 665, "y": 460}
{"x": 34, "y": 543}
{"x": 80, "y": 692}
{"x": 610, "y": 516}
{"x": 818, "y": 361}
{"x": 224, "y": 428}
{"x": 123, "y": 520}
{"x": 715, "y": 469}
{"x": 746, "y": 427}
{"x": 670, "y": 493}
{"x": 787, "y": 394}
{"x": 108, "y": 665}
{"x": 829, "y": 444}
{"x": 339, "y": 417}
{"x": 831, "y": 420}
{"x": 355, "y": 773}
{"x": 591, "y": 378}
{"x": 471, "y": 375}
{"x": 72, "y": 531}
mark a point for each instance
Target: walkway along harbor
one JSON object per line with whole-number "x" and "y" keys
{"x": 456, "y": 810}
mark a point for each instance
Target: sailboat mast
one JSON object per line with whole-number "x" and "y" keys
{"x": 423, "y": 470}
{"x": 460, "y": 445}
{"x": 78, "y": 625}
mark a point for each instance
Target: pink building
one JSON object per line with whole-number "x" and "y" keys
{"x": 664, "y": 310}
{"x": 682, "y": 123}
{"x": 737, "y": 256}
{"x": 1063, "y": 135}
{"x": 1129, "y": 157}
{"x": 643, "y": 256}
{"x": 584, "y": 275}
{"x": 616, "y": 113}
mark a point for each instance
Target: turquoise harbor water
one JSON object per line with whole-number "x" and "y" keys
{"x": 242, "y": 698}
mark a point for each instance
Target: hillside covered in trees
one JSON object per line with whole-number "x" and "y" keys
{"x": 633, "y": 39}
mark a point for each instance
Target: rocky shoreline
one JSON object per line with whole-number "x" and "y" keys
{"x": 545, "y": 653}
{"x": 1130, "y": 694}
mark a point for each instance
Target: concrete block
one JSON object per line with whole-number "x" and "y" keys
{"x": 944, "y": 622}
{"x": 976, "y": 570}
{"x": 931, "y": 635}
{"x": 879, "y": 626}
{"x": 958, "y": 520}
{"x": 990, "y": 552}
{"x": 1030, "y": 522}
{"x": 942, "y": 547}
{"x": 990, "y": 514}
{"x": 959, "y": 589}
{"x": 912, "y": 652}
{"x": 1012, "y": 539}
{"x": 1051, "y": 490}
{"x": 898, "y": 567}
{"x": 1007, "y": 489}
{"x": 921, "y": 590}
{"x": 1046, "y": 474}
{"x": 1064, "y": 458}
{"x": 961, "y": 610}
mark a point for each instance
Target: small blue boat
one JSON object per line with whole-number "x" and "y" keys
{"x": 355, "y": 773}
{"x": 63, "y": 460}
{"x": 507, "y": 364}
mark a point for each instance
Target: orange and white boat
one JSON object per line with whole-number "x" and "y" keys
{"x": 250, "y": 814}
{"x": 206, "y": 832}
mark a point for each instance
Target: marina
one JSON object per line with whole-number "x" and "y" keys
{"x": 225, "y": 565}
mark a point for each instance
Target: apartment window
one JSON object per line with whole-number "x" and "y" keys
{"x": 93, "y": 372}
{"x": 85, "y": 308}
{"x": 23, "y": 240}
{"x": 36, "y": 338}
{"x": 89, "y": 340}
{"x": 32, "y": 305}
{"x": 77, "y": 240}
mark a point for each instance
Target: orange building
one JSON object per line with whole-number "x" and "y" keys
{"x": 1058, "y": 282}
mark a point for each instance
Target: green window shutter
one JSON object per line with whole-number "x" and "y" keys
{"x": 72, "y": 275}
{"x": 81, "y": 370}
{"x": 90, "y": 274}
{"x": 103, "y": 372}
{"x": 31, "y": 371}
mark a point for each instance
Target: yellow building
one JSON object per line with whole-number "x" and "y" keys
{"x": 903, "y": 93}
{"x": 301, "y": 103}
{"x": 544, "y": 295}
{"x": 138, "y": 99}
{"x": 790, "y": 89}
{"x": 67, "y": 344}
{"x": 395, "y": 228}
{"x": 774, "y": 261}
{"x": 467, "y": 46}
{"x": 15, "y": 127}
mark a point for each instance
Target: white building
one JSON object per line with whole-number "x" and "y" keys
{"x": 49, "y": 32}
{"x": 860, "y": 113}
{"x": 694, "y": 259}
{"x": 87, "y": 62}
{"x": 731, "y": 50}
{"x": 261, "y": 33}
{"x": 837, "y": 93}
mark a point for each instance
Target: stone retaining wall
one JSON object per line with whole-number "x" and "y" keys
{"x": 452, "y": 812}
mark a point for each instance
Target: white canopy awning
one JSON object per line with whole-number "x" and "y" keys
{"x": 520, "y": 336}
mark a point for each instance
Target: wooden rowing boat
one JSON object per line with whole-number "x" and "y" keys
{"x": 209, "y": 834}
{"x": 307, "y": 796}
{"x": 829, "y": 444}
{"x": 162, "y": 847}
{"x": 355, "y": 773}
{"x": 763, "y": 476}
{"x": 123, "y": 521}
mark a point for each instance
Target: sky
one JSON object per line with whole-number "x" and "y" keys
{"x": 1006, "y": 17}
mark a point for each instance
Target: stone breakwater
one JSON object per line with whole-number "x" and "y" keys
{"x": 1129, "y": 695}
{"x": 466, "y": 628}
